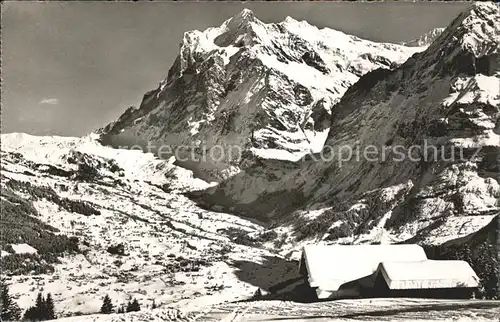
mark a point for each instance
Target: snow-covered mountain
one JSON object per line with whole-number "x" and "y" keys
{"x": 424, "y": 40}
{"x": 85, "y": 219}
{"x": 267, "y": 89}
{"x": 446, "y": 97}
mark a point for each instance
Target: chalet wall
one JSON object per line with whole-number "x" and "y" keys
{"x": 381, "y": 289}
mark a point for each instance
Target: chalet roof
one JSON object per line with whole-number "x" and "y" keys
{"x": 330, "y": 266}
{"x": 428, "y": 274}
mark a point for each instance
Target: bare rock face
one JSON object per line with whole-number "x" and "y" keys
{"x": 445, "y": 101}
{"x": 247, "y": 88}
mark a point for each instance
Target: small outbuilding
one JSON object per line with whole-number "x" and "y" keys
{"x": 428, "y": 278}
{"x": 342, "y": 271}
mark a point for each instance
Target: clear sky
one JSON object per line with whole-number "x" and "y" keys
{"x": 71, "y": 67}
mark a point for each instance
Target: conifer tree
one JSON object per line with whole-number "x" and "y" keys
{"x": 37, "y": 312}
{"x": 49, "y": 308}
{"x": 133, "y": 306}
{"x": 107, "y": 306}
{"x": 40, "y": 309}
{"x": 10, "y": 311}
{"x": 31, "y": 314}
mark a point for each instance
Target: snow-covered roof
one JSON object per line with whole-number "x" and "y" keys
{"x": 428, "y": 274}
{"x": 330, "y": 266}
{"x": 23, "y": 249}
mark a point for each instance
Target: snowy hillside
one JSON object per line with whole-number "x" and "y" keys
{"x": 172, "y": 250}
{"x": 265, "y": 88}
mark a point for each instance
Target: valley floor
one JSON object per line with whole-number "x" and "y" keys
{"x": 193, "y": 263}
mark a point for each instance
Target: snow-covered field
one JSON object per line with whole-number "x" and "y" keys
{"x": 358, "y": 310}
{"x": 340, "y": 311}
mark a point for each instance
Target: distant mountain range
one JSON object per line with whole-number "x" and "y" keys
{"x": 424, "y": 40}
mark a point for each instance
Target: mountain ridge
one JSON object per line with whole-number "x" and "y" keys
{"x": 424, "y": 40}
{"x": 277, "y": 81}
{"x": 421, "y": 99}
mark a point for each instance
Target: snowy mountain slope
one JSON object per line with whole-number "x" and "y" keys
{"x": 265, "y": 89}
{"x": 447, "y": 97}
{"x": 174, "y": 253}
{"x": 68, "y": 152}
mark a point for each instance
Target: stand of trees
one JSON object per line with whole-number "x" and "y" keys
{"x": 131, "y": 306}
{"x": 43, "y": 309}
{"x": 10, "y": 311}
{"x": 483, "y": 261}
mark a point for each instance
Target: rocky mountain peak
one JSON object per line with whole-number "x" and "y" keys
{"x": 447, "y": 97}
{"x": 478, "y": 29}
{"x": 240, "y": 30}
{"x": 473, "y": 35}
{"x": 265, "y": 87}
{"x": 244, "y": 17}
{"x": 475, "y": 25}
